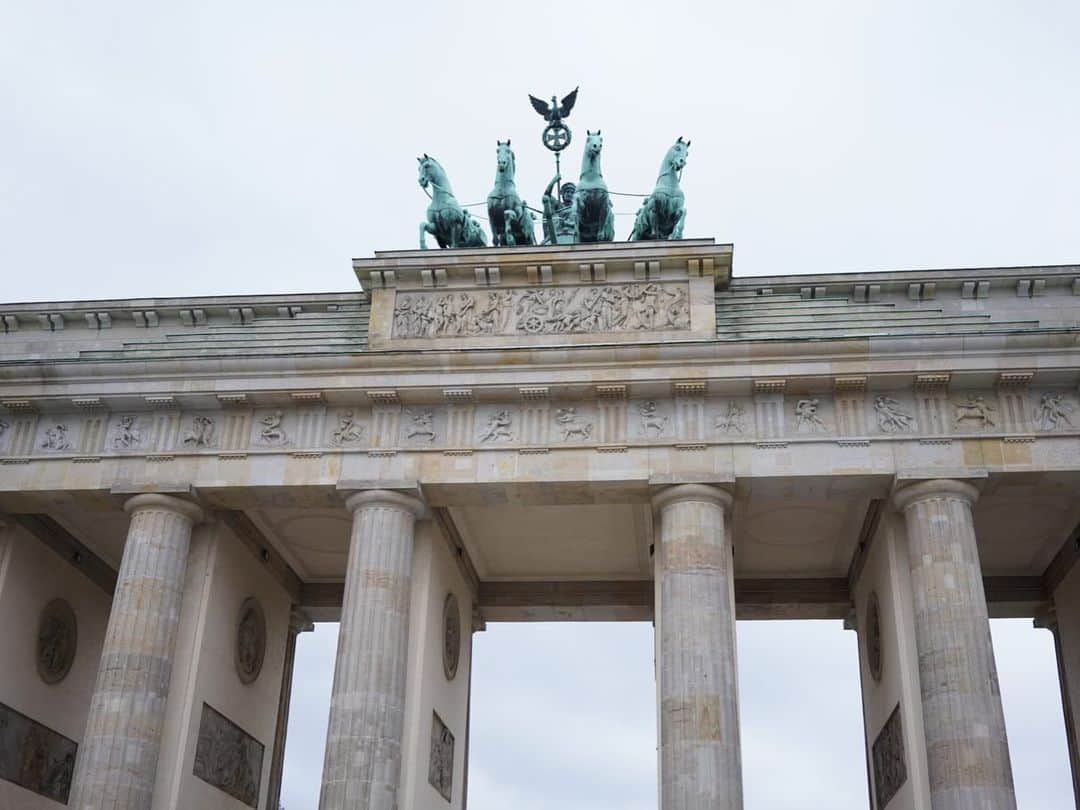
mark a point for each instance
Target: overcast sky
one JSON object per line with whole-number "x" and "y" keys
{"x": 241, "y": 147}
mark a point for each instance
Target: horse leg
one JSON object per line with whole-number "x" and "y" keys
{"x": 509, "y": 218}
{"x": 493, "y": 218}
{"x": 607, "y": 233}
{"x": 425, "y": 228}
{"x": 677, "y": 232}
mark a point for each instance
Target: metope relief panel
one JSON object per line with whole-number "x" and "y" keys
{"x": 1055, "y": 410}
{"x": 422, "y": 426}
{"x": 732, "y": 418}
{"x": 974, "y": 412}
{"x": 651, "y": 419}
{"x": 228, "y": 758}
{"x": 573, "y": 423}
{"x": 349, "y": 427}
{"x": 34, "y": 756}
{"x": 809, "y": 415}
{"x": 544, "y": 311}
{"x": 893, "y": 413}
{"x": 273, "y": 428}
{"x": 497, "y": 425}
{"x": 58, "y": 435}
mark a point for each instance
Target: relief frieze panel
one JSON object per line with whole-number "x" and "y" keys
{"x": 34, "y": 756}
{"x": 468, "y": 425}
{"x": 228, "y": 758}
{"x": 640, "y": 307}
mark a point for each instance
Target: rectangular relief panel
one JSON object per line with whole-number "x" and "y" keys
{"x": 228, "y": 758}
{"x": 890, "y": 763}
{"x": 441, "y": 764}
{"x": 34, "y": 756}
{"x": 565, "y": 310}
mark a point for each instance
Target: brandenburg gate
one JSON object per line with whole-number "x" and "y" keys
{"x": 570, "y": 432}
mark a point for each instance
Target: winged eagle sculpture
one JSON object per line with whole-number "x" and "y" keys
{"x": 555, "y": 111}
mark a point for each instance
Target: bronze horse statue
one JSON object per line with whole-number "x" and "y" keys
{"x": 663, "y": 212}
{"x": 450, "y": 224}
{"x": 511, "y": 220}
{"x": 593, "y": 211}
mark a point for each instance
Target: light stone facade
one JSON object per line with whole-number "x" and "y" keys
{"x": 592, "y": 432}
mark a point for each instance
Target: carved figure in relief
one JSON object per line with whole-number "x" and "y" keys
{"x": 571, "y": 426}
{"x": 272, "y": 432}
{"x": 498, "y": 427}
{"x": 732, "y": 420}
{"x": 974, "y": 409}
{"x": 1052, "y": 413}
{"x": 201, "y": 433}
{"x": 891, "y": 417}
{"x": 423, "y": 425}
{"x": 806, "y": 416}
{"x": 127, "y": 434}
{"x": 56, "y": 438}
{"x": 652, "y": 419}
{"x": 347, "y": 431}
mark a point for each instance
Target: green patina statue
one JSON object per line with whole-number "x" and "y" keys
{"x": 447, "y": 221}
{"x": 662, "y": 214}
{"x": 511, "y": 220}
{"x": 559, "y": 220}
{"x": 594, "y": 217}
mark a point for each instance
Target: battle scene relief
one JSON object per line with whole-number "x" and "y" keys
{"x": 34, "y": 756}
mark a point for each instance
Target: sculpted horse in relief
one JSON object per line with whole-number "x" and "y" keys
{"x": 663, "y": 213}
{"x": 447, "y": 221}
{"x": 511, "y": 220}
{"x": 592, "y": 206}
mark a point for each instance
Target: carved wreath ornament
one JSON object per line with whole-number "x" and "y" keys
{"x": 553, "y": 311}
{"x": 451, "y": 636}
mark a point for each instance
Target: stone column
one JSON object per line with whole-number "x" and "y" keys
{"x": 367, "y": 704}
{"x": 117, "y": 761}
{"x": 1049, "y": 621}
{"x": 700, "y": 761}
{"x": 966, "y": 747}
{"x": 298, "y": 623}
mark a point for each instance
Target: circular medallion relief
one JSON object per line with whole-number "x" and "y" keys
{"x": 873, "y": 636}
{"x": 57, "y": 638}
{"x": 250, "y": 640}
{"x": 451, "y": 636}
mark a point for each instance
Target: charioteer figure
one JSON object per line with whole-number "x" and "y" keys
{"x": 560, "y": 221}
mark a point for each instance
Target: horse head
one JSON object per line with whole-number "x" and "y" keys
{"x": 504, "y": 159}
{"x": 594, "y": 142}
{"x": 676, "y": 155}
{"x": 431, "y": 173}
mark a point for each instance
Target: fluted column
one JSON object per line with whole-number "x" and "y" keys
{"x": 700, "y": 760}
{"x": 367, "y": 704}
{"x": 117, "y": 761}
{"x": 298, "y": 623}
{"x": 966, "y": 747}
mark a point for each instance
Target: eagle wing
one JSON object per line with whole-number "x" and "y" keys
{"x": 567, "y": 104}
{"x": 541, "y": 107}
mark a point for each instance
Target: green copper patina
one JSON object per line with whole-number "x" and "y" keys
{"x": 559, "y": 220}
{"x": 511, "y": 220}
{"x": 662, "y": 214}
{"x": 594, "y": 217}
{"x": 447, "y": 221}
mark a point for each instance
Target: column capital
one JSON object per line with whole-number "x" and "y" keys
{"x": 139, "y": 503}
{"x": 387, "y": 497}
{"x": 300, "y": 622}
{"x": 935, "y": 488}
{"x": 681, "y": 493}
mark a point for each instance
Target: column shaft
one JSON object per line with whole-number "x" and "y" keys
{"x": 117, "y": 761}
{"x": 367, "y": 705}
{"x": 966, "y": 746}
{"x": 700, "y": 761}
{"x": 298, "y": 623}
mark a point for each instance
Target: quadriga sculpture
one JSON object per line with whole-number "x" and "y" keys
{"x": 592, "y": 205}
{"x": 447, "y": 221}
{"x": 663, "y": 213}
{"x": 511, "y": 220}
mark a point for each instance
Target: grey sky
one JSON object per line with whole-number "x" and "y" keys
{"x": 209, "y": 148}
